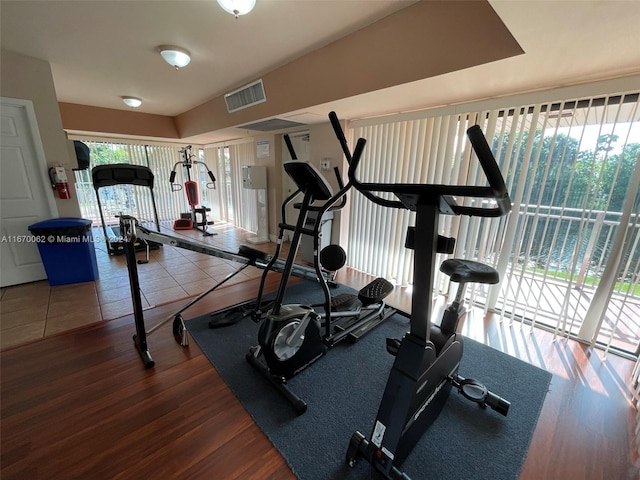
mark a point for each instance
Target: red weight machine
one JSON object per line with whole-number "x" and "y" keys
{"x": 197, "y": 217}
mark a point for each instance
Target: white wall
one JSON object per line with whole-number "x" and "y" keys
{"x": 28, "y": 78}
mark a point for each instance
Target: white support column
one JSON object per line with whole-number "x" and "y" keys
{"x": 598, "y": 306}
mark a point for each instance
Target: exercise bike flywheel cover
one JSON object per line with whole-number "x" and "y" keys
{"x": 283, "y": 348}
{"x": 333, "y": 257}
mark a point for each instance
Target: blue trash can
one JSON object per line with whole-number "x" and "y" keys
{"x": 67, "y": 250}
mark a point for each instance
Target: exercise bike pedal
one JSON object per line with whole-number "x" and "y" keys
{"x": 476, "y": 392}
{"x": 360, "y": 446}
{"x": 357, "y": 446}
{"x": 393, "y": 345}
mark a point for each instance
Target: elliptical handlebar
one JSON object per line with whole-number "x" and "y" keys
{"x": 357, "y": 152}
{"x": 341, "y": 188}
{"x": 337, "y": 128}
{"x": 292, "y": 151}
{"x": 496, "y": 190}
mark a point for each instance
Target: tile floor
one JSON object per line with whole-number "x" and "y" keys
{"x": 31, "y": 311}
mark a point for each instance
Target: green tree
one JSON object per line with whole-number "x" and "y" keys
{"x": 551, "y": 176}
{"x": 565, "y": 176}
{"x": 104, "y": 154}
{"x": 616, "y": 177}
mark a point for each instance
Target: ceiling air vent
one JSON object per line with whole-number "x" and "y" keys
{"x": 271, "y": 125}
{"x": 246, "y": 96}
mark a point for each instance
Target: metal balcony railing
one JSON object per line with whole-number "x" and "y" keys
{"x": 554, "y": 273}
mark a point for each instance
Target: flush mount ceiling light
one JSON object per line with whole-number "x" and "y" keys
{"x": 132, "y": 101}
{"x": 237, "y": 7}
{"x": 175, "y": 56}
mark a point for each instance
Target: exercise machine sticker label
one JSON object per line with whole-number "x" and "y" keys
{"x": 387, "y": 453}
{"x": 378, "y": 434}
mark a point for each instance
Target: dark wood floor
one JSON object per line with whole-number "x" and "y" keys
{"x": 81, "y": 405}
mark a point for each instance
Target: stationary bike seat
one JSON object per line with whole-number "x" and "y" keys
{"x": 468, "y": 271}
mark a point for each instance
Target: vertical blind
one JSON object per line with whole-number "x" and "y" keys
{"x": 228, "y": 201}
{"x": 214, "y": 158}
{"x": 244, "y": 201}
{"x": 171, "y": 200}
{"x": 413, "y": 152}
{"x": 568, "y": 252}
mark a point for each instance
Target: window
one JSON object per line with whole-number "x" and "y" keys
{"x": 171, "y": 201}
{"x": 568, "y": 253}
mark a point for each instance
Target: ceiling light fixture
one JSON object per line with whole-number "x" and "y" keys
{"x": 237, "y": 7}
{"x": 132, "y": 101}
{"x": 175, "y": 56}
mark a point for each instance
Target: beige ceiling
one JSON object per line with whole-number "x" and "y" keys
{"x": 101, "y": 50}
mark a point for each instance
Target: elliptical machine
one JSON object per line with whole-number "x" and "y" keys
{"x": 428, "y": 356}
{"x": 291, "y": 337}
{"x": 191, "y": 220}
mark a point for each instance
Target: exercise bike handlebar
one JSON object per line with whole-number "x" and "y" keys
{"x": 490, "y": 168}
{"x": 496, "y": 190}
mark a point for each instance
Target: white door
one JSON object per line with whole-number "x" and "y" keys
{"x": 25, "y": 194}
{"x": 301, "y": 144}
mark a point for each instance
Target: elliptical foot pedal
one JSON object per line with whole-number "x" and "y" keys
{"x": 375, "y": 291}
{"x": 344, "y": 302}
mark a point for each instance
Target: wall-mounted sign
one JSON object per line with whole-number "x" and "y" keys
{"x": 262, "y": 149}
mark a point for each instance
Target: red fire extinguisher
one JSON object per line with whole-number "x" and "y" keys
{"x": 59, "y": 181}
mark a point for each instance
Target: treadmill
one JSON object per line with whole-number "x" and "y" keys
{"x": 123, "y": 174}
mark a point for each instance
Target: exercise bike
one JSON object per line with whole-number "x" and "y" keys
{"x": 427, "y": 358}
{"x": 292, "y": 337}
{"x": 191, "y": 220}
